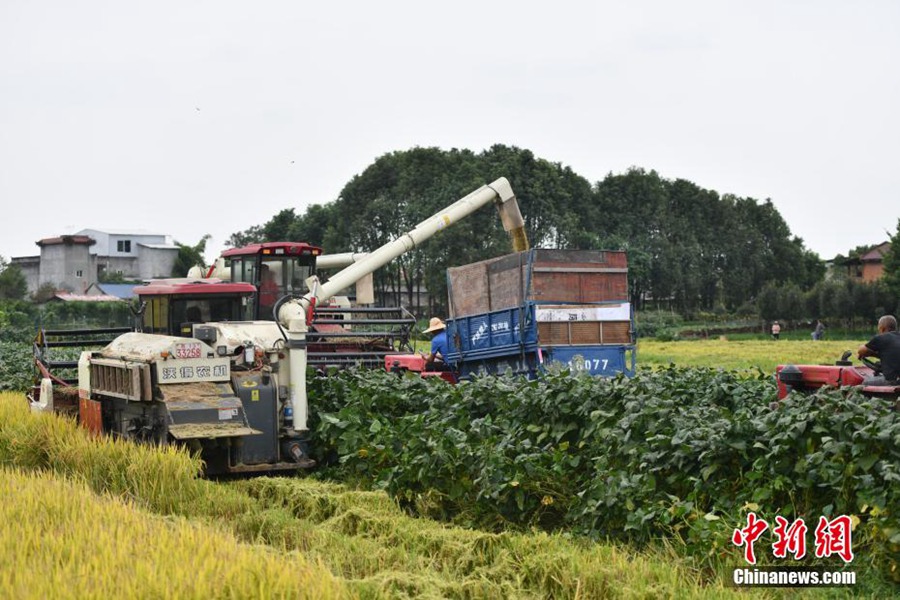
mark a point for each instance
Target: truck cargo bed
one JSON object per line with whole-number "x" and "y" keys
{"x": 522, "y": 312}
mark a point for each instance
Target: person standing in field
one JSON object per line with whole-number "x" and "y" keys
{"x": 819, "y": 332}
{"x": 776, "y": 330}
{"x": 885, "y": 346}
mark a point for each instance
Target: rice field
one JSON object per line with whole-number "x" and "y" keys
{"x": 93, "y": 518}
{"x": 62, "y": 540}
{"x": 743, "y": 354}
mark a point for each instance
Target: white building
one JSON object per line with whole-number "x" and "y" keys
{"x": 76, "y": 262}
{"x": 134, "y": 254}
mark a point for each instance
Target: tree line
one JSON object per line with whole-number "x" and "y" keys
{"x": 842, "y": 302}
{"x": 841, "y": 299}
{"x": 689, "y": 249}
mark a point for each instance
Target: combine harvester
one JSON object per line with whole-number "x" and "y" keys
{"x": 234, "y": 390}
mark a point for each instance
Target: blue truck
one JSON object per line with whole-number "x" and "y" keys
{"x": 523, "y": 312}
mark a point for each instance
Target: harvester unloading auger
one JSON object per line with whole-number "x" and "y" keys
{"x": 296, "y": 314}
{"x": 236, "y": 390}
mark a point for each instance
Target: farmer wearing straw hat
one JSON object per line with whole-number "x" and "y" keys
{"x": 439, "y": 346}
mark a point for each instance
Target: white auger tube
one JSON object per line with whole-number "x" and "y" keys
{"x": 293, "y": 314}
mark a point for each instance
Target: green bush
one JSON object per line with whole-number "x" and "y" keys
{"x": 667, "y": 335}
{"x": 653, "y": 323}
{"x": 64, "y": 315}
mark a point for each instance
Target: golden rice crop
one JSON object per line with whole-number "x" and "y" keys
{"x": 742, "y": 354}
{"x": 162, "y": 478}
{"x": 364, "y": 537}
{"x": 60, "y": 540}
{"x": 360, "y": 543}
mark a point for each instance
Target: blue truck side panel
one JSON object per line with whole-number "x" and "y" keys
{"x": 605, "y": 361}
{"x": 506, "y": 341}
{"x": 488, "y": 332}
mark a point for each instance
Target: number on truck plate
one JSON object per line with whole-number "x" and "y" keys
{"x": 191, "y": 350}
{"x": 589, "y": 364}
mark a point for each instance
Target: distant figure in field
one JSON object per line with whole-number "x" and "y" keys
{"x": 776, "y": 330}
{"x": 819, "y": 332}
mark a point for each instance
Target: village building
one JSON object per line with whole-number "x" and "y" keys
{"x": 77, "y": 263}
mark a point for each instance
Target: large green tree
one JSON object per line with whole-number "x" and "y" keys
{"x": 633, "y": 206}
{"x": 703, "y": 251}
{"x": 401, "y": 189}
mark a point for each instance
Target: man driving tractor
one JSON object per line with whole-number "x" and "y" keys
{"x": 435, "y": 361}
{"x": 885, "y": 346}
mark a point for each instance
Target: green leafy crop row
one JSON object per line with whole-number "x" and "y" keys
{"x": 16, "y": 366}
{"x": 676, "y": 452}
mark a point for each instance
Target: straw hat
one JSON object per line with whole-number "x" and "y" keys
{"x": 434, "y": 324}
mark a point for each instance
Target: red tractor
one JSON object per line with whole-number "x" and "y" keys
{"x": 415, "y": 363}
{"x": 842, "y": 374}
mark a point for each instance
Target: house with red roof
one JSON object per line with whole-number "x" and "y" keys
{"x": 869, "y": 266}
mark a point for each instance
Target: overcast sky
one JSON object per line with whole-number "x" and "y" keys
{"x": 187, "y": 118}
